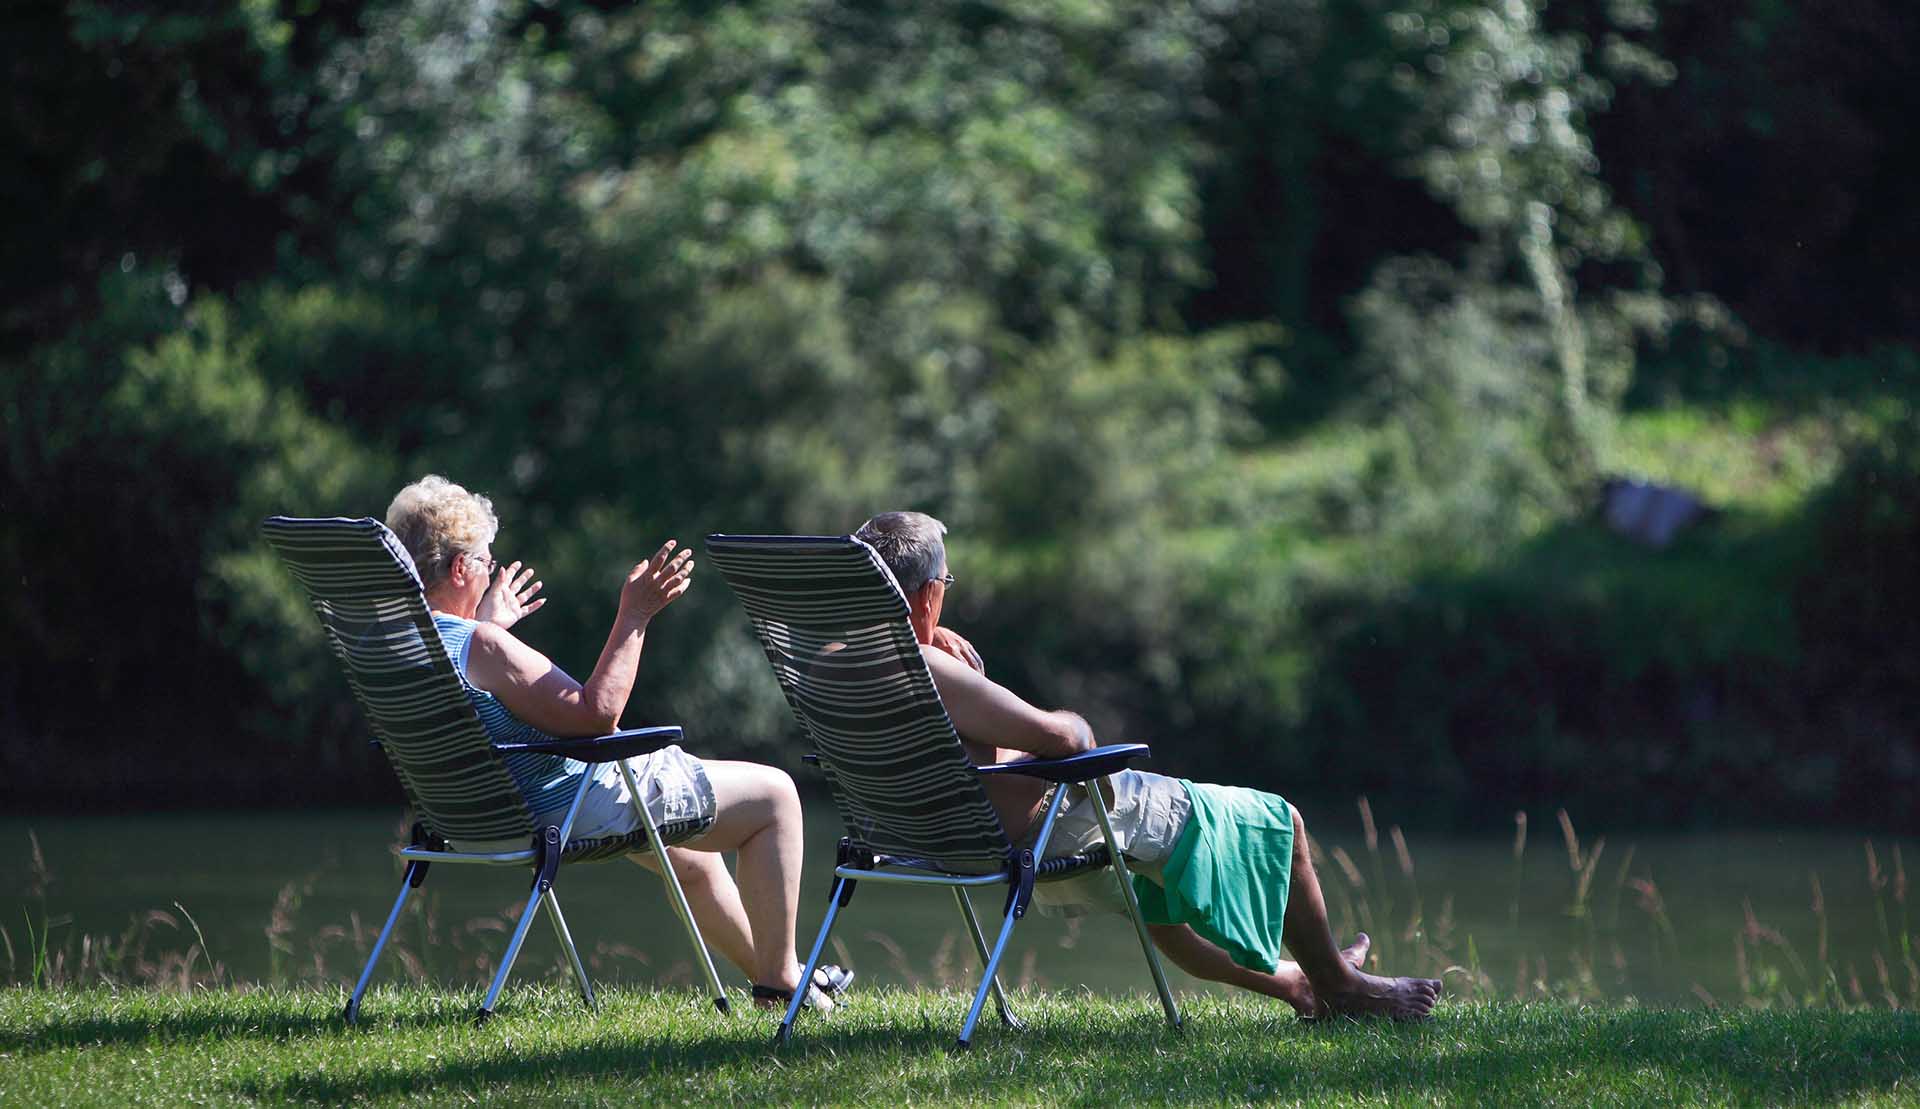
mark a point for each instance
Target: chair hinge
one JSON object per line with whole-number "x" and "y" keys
{"x": 417, "y": 868}
{"x": 1020, "y": 873}
{"x": 847, "y": 854}
{"x": 547, "y": 843}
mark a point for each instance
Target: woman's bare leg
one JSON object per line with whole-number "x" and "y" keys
{"x": 759, "y": 816}
{"x": 715, "y": 902}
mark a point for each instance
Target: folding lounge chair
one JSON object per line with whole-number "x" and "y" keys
{"x": 834, "y": 625}
{"x": 366, "y": 591}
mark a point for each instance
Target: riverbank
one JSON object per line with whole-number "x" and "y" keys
{"x": 1558, "y": 911}
{"x": 419, "y": 1046}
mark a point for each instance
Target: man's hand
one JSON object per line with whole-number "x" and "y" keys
{"x": 1083, "y": 739}
{"x": 956, "y": 645}
{"x": 654, "y": 584}
{"x": 509, "y": 597}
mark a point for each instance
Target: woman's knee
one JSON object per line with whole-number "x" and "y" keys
{"x": 752, "y": 779}
{"x": 779, "y": 784}
{"x": 775, "y": 788}
{"x": 751, "y": 797}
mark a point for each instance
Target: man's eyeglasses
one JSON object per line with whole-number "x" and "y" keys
{"x": 943, "y": 579}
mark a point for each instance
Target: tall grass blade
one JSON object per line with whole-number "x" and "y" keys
{"x": 186, "y": 971}
{"x": 1519, "y": 866}
{"x": 1573, "y": 841}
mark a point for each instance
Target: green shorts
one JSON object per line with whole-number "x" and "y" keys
{"x": 1228, "y": 876}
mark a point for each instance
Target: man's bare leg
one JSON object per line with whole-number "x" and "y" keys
{"x": 1201, "y": 958}
{"x": 1340, "y": 988}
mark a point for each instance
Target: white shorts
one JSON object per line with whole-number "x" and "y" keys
{"x": 675, "y": 788}
{"x": 1148, "y": 813}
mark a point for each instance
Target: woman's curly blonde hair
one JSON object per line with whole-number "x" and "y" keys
{"x": 438, "y": 521}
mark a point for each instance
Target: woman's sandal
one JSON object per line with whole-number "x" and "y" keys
{"x": 829, "y": 982}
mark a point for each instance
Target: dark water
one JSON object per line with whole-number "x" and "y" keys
{"x": 122, "y": 890}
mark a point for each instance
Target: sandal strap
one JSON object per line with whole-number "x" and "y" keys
{"x": 831, "y": 981}
{"x": 785, "y": 997}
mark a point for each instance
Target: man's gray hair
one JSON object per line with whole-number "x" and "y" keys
{"x": 910, "y": 544}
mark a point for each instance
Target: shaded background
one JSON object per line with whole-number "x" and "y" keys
{"x": 1267, "y": 359}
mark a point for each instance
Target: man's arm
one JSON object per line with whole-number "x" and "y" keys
{"x": 989, "y": 714}
{"x": 955, "y": 644}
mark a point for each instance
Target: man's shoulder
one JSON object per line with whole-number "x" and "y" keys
{"x": 945, "y": 667}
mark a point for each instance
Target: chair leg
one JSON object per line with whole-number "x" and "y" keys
{"x": 366, "y": 974}
{"x": 1133, "y": 906}
{"x": 785, "y": 1031}
{"x": 674, "y": 893}
{"x": 980, "y": 945}
{"x": 565, "y": 937}
{"x": 987, "y": 982}
{"x": 513, "y": 952}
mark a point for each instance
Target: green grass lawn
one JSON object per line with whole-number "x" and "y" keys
{"x": 417, "y": 1045}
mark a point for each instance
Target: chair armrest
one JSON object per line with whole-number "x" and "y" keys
{"x": 602, "y": 748}
{"x": 1085, "y": 766}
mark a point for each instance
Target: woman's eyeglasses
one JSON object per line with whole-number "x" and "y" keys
{"x": 487, "y": 562}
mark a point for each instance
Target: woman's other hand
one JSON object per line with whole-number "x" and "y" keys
{"x": 509, "y": 596}
{"x": 652, "y": 585}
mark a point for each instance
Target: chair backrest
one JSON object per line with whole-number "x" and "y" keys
{"x": 365, "y": 590}
{"x": 834, "y": 626}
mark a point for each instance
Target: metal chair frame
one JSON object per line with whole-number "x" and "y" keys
{"x": 545, "y": 859}
{"x": 1019, "y": 878}
{"x": 841, "y": 578}
{"x": 358, "y": 574}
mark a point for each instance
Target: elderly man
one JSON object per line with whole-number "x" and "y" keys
{"x": 1223, "y": 873}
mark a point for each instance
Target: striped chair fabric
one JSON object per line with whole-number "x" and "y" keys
{"x": 363, "y": 586}
{"x": 834, "y": 625}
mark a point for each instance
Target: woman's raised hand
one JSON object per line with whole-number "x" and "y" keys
{"x": 652, "y": 585}
{"x": 509, "y": 596}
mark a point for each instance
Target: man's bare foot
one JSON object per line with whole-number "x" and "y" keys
{"x": 1298, "y": 992}
{"x": 1367, "y": 995}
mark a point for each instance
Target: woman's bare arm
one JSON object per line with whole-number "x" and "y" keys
{"x": 539, "y": 692}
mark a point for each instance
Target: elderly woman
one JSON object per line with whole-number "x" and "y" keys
{"x": 520, "y": 694}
